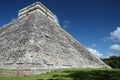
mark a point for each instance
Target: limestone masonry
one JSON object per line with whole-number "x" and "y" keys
{"x": 36, "y": 7}
{"x": 35, "y": 41}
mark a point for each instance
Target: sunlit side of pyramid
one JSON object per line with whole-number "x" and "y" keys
{"x": 35, "y": 41}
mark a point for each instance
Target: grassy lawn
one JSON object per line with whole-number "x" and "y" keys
{"x": 72, "y": 74}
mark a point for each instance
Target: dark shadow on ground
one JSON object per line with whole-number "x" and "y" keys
{"x": 91, "y": 75}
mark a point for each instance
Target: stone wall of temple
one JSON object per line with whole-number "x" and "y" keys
{"x": 35, "y": 7}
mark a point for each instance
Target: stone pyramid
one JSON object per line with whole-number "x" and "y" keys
{"x": 35, "y": 41}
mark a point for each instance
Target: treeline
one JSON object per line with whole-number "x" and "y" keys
{"x": 113, "y": 61}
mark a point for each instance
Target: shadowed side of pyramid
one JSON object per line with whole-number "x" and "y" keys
{"x": 35, "y": 41}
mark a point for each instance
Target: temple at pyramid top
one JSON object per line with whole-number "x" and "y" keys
{"x": 37, "y": 6}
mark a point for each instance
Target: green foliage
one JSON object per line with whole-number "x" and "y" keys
{"x": 113, "y": 61}
{"x": 72, "y": 74}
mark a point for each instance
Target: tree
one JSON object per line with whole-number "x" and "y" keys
{"x": 113, "y": 61}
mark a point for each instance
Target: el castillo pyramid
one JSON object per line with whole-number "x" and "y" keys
{"x": 36, "y": 41}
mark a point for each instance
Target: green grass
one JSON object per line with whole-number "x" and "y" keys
{"x": 72, "y": 74}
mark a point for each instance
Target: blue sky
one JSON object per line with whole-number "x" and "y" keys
{"x": 94, "y": 23}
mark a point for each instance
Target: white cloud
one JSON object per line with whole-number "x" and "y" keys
{"x": 13, "y": 19}
{"x": 93, "y": 45}
{"x": 106, "y": 39}
{"x": 112, "y": 54}
{"x": 65, "y": 26}
{"x": 115, "y": 35}
{"x": 115, "y": 47}
{"x": 56, "y": 19}
{"x": 95, "y": 52}
{"x": 66, "y": 23}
